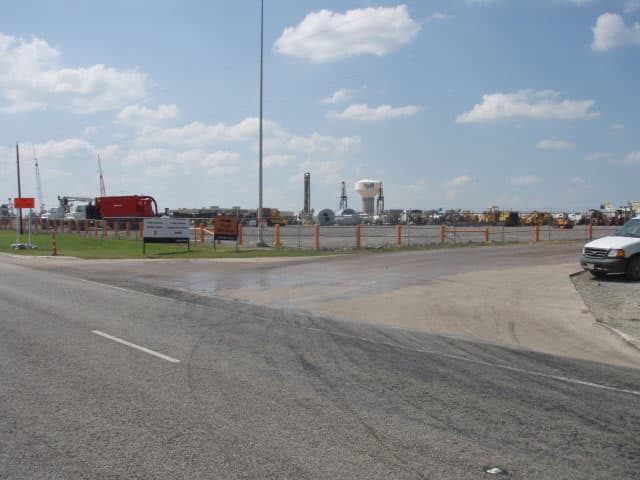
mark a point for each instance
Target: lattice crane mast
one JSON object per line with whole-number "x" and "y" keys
{"x": 103, "y": 190}
{"x": 38, "y": 183}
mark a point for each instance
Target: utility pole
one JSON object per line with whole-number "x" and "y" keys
{"x": 260, "y": 232}
{"x": 19, "y": 189}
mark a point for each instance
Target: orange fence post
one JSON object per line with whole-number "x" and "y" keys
{"x": 86, "y": 227}
{"x": 317, "y": 237}
{"x": 105, "y": 228}
{"x": 69, "y": 226}
{"x": 442, "y": 233}
{"x": 240, "y": 239}
{"x": 399, "y": 240}
{"x": 54, "y": 244}
{"x": 537, "y": 232}
{"x": 486, "y": 234}
{"x": 141, "y": 224}
{"x": 202, "y": 233}
{"x": 358, "y": 236}
{"x": 590, "y": 231}
{"x": 116, "y": 228}
{"x": 127, "y": 227}
{"x": 278, "y": 235}
{"x": 77, "y": 227}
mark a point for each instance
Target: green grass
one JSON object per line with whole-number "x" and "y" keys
{"x": 96, "y": 248}
{"x": 101, "y": 248}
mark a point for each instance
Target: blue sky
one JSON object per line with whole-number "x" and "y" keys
{"x": 453, "y": 104}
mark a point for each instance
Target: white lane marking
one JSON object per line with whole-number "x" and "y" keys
{"x": 137, "y": 347}
{"x": 559, "y": 378}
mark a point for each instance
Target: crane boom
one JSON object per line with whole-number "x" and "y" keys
{"x": 38, "y": 183}
{"x": 103, "y": 190}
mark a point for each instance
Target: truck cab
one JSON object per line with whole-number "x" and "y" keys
{"x": 617, "y": 254}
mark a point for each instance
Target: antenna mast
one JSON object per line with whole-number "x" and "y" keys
{"x": 343, "y": 197}
{"x": 103, "y": 190}
{"x": 38, "y": 183}
{"x": 380, "y": 205}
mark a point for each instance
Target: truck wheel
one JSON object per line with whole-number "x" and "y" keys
{"x": 633, "y": 269}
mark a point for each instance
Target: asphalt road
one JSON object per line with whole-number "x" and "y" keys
{"x": 242, "y": 391}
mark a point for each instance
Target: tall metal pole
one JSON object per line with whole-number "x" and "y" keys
{"x": 260, "y": 233}
{"x": 19, "y": 188}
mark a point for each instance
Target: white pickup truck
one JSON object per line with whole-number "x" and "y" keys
{"x": 615, "y": 254}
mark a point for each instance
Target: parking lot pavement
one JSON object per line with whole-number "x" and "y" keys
{"x": 614, "y": 301}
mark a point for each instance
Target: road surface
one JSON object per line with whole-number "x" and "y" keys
{"x": 104, "y": 382}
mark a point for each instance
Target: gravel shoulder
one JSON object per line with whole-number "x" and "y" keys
{"x": 614, "y": 302}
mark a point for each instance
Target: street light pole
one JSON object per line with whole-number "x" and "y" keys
{"x": 261, "y": 242}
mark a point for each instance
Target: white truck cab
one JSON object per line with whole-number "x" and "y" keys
{"x": 615, "y": 254}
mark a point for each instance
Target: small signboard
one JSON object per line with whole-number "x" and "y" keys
{"x": 165, "y": 230}
{"x": 226, "y": 228}
{"x": 24, "y": 202}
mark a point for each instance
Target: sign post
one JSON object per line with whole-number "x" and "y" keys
{"x": 226, "y": 228}
{"x": 20, "y": 203}
{"x": 165, "y": 230}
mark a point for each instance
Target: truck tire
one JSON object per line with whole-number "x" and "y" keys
{"x": 633, "y": 269}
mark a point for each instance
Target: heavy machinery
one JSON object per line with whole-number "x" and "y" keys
{"x": 71, "y": 211}
{"x": 562, "y": 221}
{"x": 537, "y": 218}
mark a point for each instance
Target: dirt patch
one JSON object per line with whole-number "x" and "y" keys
{"x": 614, "y": 301}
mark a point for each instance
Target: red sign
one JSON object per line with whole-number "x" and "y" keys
{"x": 24, "y": 202}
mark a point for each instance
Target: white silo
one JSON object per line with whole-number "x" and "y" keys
{"x": 368, "y": 189}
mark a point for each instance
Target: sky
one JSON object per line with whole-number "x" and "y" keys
{"x": 523, "y": 104}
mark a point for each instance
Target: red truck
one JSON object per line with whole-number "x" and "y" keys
{"x": 123, "y": 206}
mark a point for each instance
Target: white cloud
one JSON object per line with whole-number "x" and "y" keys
{"x": 382, "y": 112}
{"x": 59, "y": 149}
{"x": 197, "y": 134}
{"x": 611, "y": 32}
{"x": 632, "y": 158}
{"x": 326, "y": 173}
{"x": 326, "y": 36}
{"x": 617, "y": 126}
{"x": 439, "y": 16}
{"x": 578, "y": 185}
{"x": 482, "y": 2}
{"x": 278, "y": 160}
{"x": 165, "y": 162}
{"x": 631, "y": 6}
{"x": 577, "y": 181}
{"x": 598, "y": 156}
{"x": 316, "y": 143}
{"x": 200, "y": 135}
{"x": 525, "y": 181}
{"x": 337, "y": 97}
{"x": 141, "y": 116}
{"x": 542, "y": 105}
{"x": 457, "y": 184}
{"x": 31, "y": 79}
{"x": 554, "y": 144}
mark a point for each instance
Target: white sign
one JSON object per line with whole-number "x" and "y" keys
{"x": 166, "y": 227}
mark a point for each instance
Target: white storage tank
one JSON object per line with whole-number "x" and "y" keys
{"x": 368, "y": 190}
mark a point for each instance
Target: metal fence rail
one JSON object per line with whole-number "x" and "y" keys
{"x": 335, "y": 237}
